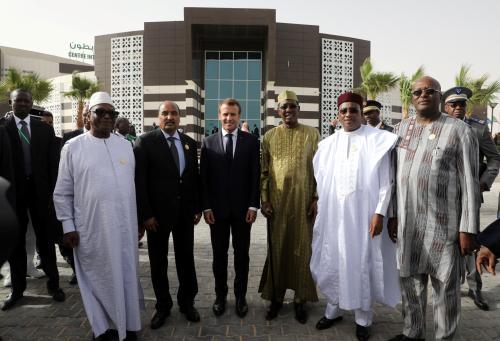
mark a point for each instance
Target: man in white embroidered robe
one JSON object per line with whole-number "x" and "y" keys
{"x": 95, "y": 200}
{"x": 352, "y": 264}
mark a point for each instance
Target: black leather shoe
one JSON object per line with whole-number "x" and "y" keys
{"x": 325, "y": 323}
{"x": 402, "y": 337}
{"x": 131, "y": 336}
{"x": 11, "y": 301}
{"x": 362, "y": 333}
{"x": 57, "y": 294}
{"x": 241, "y": 307}
{"x": 479, "y": 301}
{"x": 73, "y": 280}
{"x": 102, "y": 337}
{"x": 219, "y": 306}
{"x": 159, "y": 318}
{"x": 273, "y": 309}
{"x": 300, "y": 313}
{"x": 191, "y": 313}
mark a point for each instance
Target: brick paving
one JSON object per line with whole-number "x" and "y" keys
{"x": 40, "y": 318}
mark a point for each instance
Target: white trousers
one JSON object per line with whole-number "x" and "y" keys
{"x": 363, "y": 318}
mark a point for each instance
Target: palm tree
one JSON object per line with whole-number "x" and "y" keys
{"x": 405, "y": 85}
{"x": 482, "y": 93}
{"x": 375, "y": 83}
{"x": 40, "y": 89}
{"x": 81, "y": 90}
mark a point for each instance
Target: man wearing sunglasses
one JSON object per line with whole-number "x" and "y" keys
{"x": 289, "y": 202}
{"x": 353, "y": 264}
{"x": 95, "y": 201}
{"x": 437, "y": 202}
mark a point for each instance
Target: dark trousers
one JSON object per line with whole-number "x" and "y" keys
{"x": 68, "y": 256}
{"x": 183, "y": 237}
{"x": 219, "y": 234}
{"x": 44, "y": 244}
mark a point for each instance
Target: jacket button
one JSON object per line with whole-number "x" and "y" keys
{"x": 180, "y": 181}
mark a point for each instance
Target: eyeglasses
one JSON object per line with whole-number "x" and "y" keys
{"x": 462, "y": 104}
{"x": 102, "y": 112}
{"x": 428, "y": 92}
{"x": 344, "y": 111}
{"x": 288, "y": 105}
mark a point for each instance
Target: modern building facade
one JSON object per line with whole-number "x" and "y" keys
{"x": 45, "y": 65}
{"x": 217, "y": 53}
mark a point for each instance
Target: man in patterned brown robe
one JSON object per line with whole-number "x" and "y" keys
{"x": 288, "y": 195}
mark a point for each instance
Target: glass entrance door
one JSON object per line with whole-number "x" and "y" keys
{"x": 233, "y": 74}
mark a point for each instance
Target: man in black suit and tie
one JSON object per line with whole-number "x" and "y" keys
{"x": 86, "y": 127}
{"x": 230, "y": 175}
{"x": 35, "y": 161}
{"x": 168, "y": 200}
{"x": 371, "y": 111}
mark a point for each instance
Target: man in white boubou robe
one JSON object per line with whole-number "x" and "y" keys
{"x": 95, "y": 200}
{"x": 352, "y": 263}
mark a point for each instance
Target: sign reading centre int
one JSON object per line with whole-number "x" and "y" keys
{"x": 81, "y": 51}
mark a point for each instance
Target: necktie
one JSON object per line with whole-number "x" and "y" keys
{"x": 173, "y": 150}
{"x": 24, "y": 134}
{"x": 229, "y": 148}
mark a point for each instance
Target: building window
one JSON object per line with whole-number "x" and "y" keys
{"x": 233, "y": 74}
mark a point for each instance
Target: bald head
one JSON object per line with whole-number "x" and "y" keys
{"x": 432, "y": 82}
{"x": 426, "y": 97}
{"x": 169, "y": 117}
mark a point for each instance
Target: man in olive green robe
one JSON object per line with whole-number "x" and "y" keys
{"x": 289, "y": 202}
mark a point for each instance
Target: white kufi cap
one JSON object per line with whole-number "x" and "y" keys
{"x": 100, "y": 97}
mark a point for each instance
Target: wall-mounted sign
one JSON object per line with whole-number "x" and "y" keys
{"x": 81, "y": 51}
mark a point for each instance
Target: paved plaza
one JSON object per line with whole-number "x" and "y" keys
{"x": 40, "y": 318}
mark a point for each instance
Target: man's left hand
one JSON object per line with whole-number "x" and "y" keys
{"x": 376, "y": 224}
{"x": 487, "y": 259}
{"x": 467, "y": 243}
{"x": 251, "y": 216}
{"x": 142, "y": 230}
{"x": 197, "y": 218}
{"x": 313, "y": 210}
{"x": 484, "y": 188}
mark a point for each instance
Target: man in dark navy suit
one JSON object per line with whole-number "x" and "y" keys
{"x": 168, "y": 200}
{"x": 35, "y": 161}
{"x": 86, "y": 127}
{"x": 230, "y": 175}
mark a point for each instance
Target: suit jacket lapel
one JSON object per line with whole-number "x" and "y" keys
{"x": 185, "y": 151}
{"x": 239, "y": 141}
{"x": 35, "y": 134}
{"x": 219, "y": 142}
{"x": 11, "y": 126}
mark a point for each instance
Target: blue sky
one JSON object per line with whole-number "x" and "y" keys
{"x": 441, "y": 35}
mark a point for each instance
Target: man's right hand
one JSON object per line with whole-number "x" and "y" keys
{"x": 71, "y": 239}
{"x": 392, "y": 229}
{"x": 208, "y": 215}
{"x": 267, "y": 209}
{"x": 151, "y": 224}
